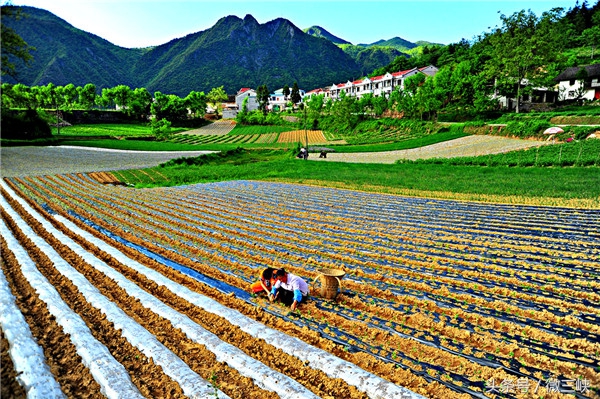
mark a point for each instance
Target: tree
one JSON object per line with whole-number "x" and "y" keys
{"x": 523, "y": 47}
{"x": 286, "y": 92}
{"x": 242, "y": 116}
{"x": 139, "y": 104}
{"x": 121, "y": 96}
{"x": 13, "y": 46}
{"x": 168, "y": 106}
{"x": 591, "y": 37}
{"x": 161, "y": 128}
{"x": 262, "y": 96}
{"x": 295, "y": 96}
{"x": 314, "y": 107}
{"x": 215, "y": 98}
{"x": 87, "y": 95}
{"x": 196, "y": 102}
{"x": 68, "y": 96}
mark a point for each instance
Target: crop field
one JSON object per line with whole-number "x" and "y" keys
{"x": 144, "y": 293}
{"x": 300, "y": 136}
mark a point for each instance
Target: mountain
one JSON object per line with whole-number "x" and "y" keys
{"x": 234, "y": 53}
{"x": 65, "y": 54}
{"x": 375, "y": 55}
{"x": 397, "y": 42}
{"x": 243, "y": 53}
{"x": 371, "y": 58}
{"x": 317, "y": 31}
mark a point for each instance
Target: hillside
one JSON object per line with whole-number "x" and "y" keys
{"x": 233, "y": 53}
{"x": 317, "y": 31}
{"x": 241, "y": 52}
{"x": 65, "y": 54}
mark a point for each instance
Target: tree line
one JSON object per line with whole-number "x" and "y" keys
{"x": 137, "y": 103}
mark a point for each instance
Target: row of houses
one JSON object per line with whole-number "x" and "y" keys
{"x": 381, "y": 85}
{"x": 572, "y": 84}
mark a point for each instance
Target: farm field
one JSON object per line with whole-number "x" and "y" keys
{"x": 300, "y": 136}
{"x": 443, "y": 299}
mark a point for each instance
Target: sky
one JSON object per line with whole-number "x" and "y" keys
{"x": 143, "y": 23}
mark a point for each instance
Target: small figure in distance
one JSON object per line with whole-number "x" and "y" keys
{"x": 323, "y": 154}
{"x": 289, "y": 289}
{"x": 303, "y": 153}
{"x": 265, "y": 283}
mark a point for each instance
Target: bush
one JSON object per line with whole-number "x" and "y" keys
{"x": 526, "y": 128}
{"x": 161, "y": 129}
{"x": 24, "y": 125}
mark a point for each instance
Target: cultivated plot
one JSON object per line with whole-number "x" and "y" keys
{"x": 441, "y": 298}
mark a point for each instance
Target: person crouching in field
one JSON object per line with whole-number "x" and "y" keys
{"x": 265, "y": 284}
{"x": 289, "y": 289}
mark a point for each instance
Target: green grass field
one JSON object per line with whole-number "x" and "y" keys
{"x": 114, "y": 130}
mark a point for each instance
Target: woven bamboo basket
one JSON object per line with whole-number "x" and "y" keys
{"x": 331, "y": 281}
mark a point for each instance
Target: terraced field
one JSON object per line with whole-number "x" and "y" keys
{"x": 144, "y": 293}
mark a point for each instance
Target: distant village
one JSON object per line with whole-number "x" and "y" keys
{"x": 571, "y": 84}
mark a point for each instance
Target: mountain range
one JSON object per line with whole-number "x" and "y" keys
{"x": 234, "y": 53}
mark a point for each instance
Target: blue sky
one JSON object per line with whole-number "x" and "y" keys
{"x": 141, "y": 23}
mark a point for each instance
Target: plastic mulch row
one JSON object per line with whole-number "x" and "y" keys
{"x": 534, "y": 346}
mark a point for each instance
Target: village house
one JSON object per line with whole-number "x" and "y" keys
{"x": 579, "y": 83}
{"x": 250, "y": 94}
{"x": 381, "y": 85}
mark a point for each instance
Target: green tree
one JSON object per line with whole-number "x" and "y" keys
{"x": 522, "y": 48}
{"x": 196, "y": 102}
{"x": 242, "y": 116}
{"x": 13, "y": 46}
{"x": 168, "y": 106}
{"x": 262, "y": 96}
{"x": 295, "y": 96}
{"x": 121, "y": 96}
{"x": 286, "y": 92}
{"x": 215, "y": 98}
{"x": 68, "y": 96}
{"x": 87, "y": 96}
{"x": 591, "y": 38}
{"x": 22, "y": 96}
{"x": 139, "y": 103}
{"x": 161, "y": 128}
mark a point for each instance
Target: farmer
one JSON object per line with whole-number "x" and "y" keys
{"x": 265, "y": 284}
{"x": 289, "y": 289}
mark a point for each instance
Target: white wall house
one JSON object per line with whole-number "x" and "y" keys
{"x": 576, "y": 85}
{"x": 243, "y": 93}
{"x": 381, "y": 85}
{"x": 277, "y": 101}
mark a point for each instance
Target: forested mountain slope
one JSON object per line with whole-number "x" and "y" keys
{"x": 234, "y": 53}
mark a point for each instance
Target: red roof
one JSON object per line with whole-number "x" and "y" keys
{"x": 243, "y": 90}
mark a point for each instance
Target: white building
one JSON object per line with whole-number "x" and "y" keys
{"x": 278, "y": 101}
{"x": 381, "y": 85}
{"x": 576, "y": 85}
{"x": 248, "y": 93}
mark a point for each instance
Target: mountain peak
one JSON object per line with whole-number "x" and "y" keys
{"x": 249, "y": 19}
{"x": 317, "y": 31}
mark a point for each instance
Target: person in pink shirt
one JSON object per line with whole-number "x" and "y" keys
{"x": 290, "y": 289}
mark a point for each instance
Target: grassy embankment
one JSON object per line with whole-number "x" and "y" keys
{"x": 489, "y": 178}
{"x": 572, "y": 186}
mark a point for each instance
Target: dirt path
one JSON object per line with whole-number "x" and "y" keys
{"x": 462, "y": 147}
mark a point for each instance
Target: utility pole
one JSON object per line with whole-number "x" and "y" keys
{"x": 305, "y": 132}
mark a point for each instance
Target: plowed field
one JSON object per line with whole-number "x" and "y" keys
{"x": 112, "y": 291}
